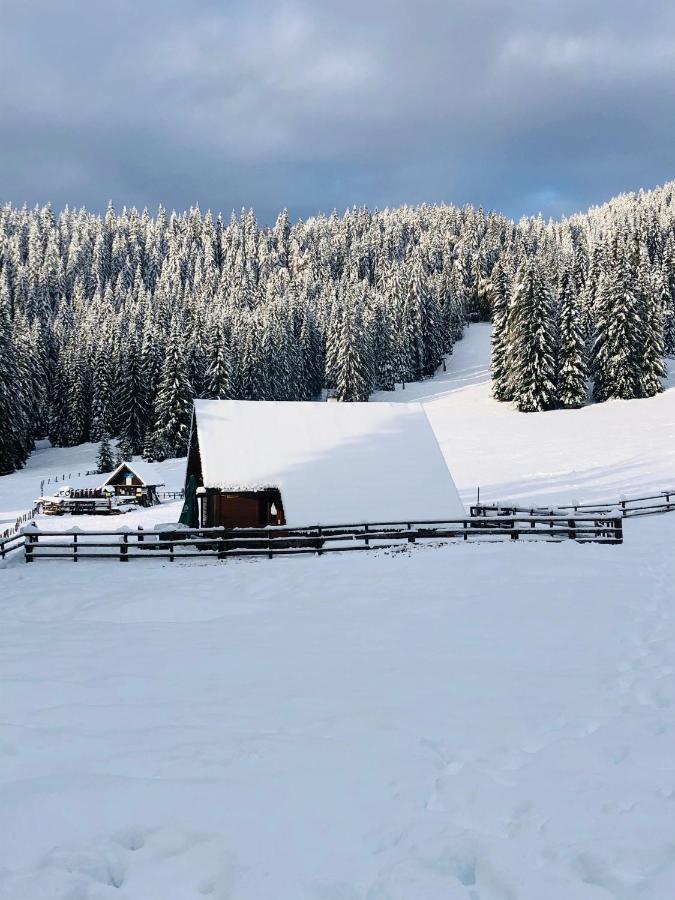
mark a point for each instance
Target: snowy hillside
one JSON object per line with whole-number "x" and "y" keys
{"x": 482, "y": 722}
{"x": 595, "y": 453}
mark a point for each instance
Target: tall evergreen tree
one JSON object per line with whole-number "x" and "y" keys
{"x": 572, "y": 370}
{"x": 616, "y": 365}
{"x": 219, "y": 375}
{"x": 353, "y": 376}
{"x": 652, "y": 366}
{"x": 173, "y": 409}
{"x": 15, "y": 437}
{"x": 533, "y": 341}
{"x": 132, "y": 405}
{"x": 105, "y": 459}
{"x": 499, "y": 367}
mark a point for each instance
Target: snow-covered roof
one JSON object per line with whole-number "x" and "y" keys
{"x": 145, "y": 472}
{"x": 333, "y": 462}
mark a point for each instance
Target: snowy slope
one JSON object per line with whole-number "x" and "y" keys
{"x": 19, "y": 491}
{"x": 599, "y": 452}
{"x": 482, "y": 722}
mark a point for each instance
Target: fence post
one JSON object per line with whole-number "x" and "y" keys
{"x": 571, "y": 524}
{"x": 514, "y": 533}
{"x": 30, "y": 539}
{"x": 74, "y": 546}
{"x": 124, "y": 548}
{"x": 367, "y": 540}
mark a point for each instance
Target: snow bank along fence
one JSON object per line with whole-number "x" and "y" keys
{"x": 180, "y": 543}
{"x": 627, "y": 508}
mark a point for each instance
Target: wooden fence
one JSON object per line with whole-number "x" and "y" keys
{"x": 655, "y": 504}
{"x": 221, "y": 543}
{"x": 20, "y": 521}
{"x": 12, "y": 542}
{"x": 55, "y": 478}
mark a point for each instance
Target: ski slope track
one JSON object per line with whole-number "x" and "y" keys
{"x": 479, "y": 722}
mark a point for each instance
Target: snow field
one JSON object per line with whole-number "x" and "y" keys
{"x": 481, "y": 722}
{"x": 596, "y": 453}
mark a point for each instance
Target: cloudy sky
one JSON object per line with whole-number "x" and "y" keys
{"x": 519, "y": 105}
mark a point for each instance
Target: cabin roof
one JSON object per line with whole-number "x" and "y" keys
{"x": 332, "y": 462}
{"x": 142, "y": 470}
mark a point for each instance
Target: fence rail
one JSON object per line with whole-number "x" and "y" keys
{"x": 171, "y": 495}
{"x": 11, "y": 543}
{"x": 173, "y": 544}
{"x": 627, "y": 508}
{"x": 19, "y": 522}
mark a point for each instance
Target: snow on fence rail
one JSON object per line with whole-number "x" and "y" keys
{"x": 628, "y": 508}
{"x": 178, "y": 543}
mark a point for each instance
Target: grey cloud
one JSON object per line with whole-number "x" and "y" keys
{"x": 521, "y": 106}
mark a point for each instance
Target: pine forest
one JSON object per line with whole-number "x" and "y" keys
{"x": 111, "y": 325}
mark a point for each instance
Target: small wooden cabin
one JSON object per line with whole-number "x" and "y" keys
{"x": 260, "y": 463}
{"x": 132, "y": 479}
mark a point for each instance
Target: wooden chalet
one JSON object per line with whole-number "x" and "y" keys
{"x": 133, "y": 479}
{"x": 254, "y": 464}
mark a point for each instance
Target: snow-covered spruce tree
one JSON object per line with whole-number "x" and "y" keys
{"x": 219, "y": 374}
{"x": 422, "y": 322}
{"x": 151, "y": 366}
{"x": 102, "y": 413}
{"x": 312, "y": 355}
{"x": 383, "y": 345}
{"x": 105, "y": 461}
{"x": 27, "y": 383}
{"x": 572, "y": 368}
{"x": 667, "y": 301}
{"x": 353, "y": 376}
{"x": 666, "y": 283}
{"x": 173, "y": 408}
{"x": 532, "y": 341}
{"x": 616, "y": 364}
{"x": 15, "y": 433}
{"x": 132, "y": 406}
{"x": 500, "y": 358}
{"x": 412, "y": 349}
{"x": 125, "y": 450}
{"x": 652, "y": 351}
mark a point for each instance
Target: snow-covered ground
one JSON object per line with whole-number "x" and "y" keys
{"x": 480, "y": 722}
{"x": 51, "y": 467}
{"x": 596, "y": 453}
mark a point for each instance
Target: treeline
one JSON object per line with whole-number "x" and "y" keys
{"x": 111, "y": 325}
{"x": 591, "y": 303}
